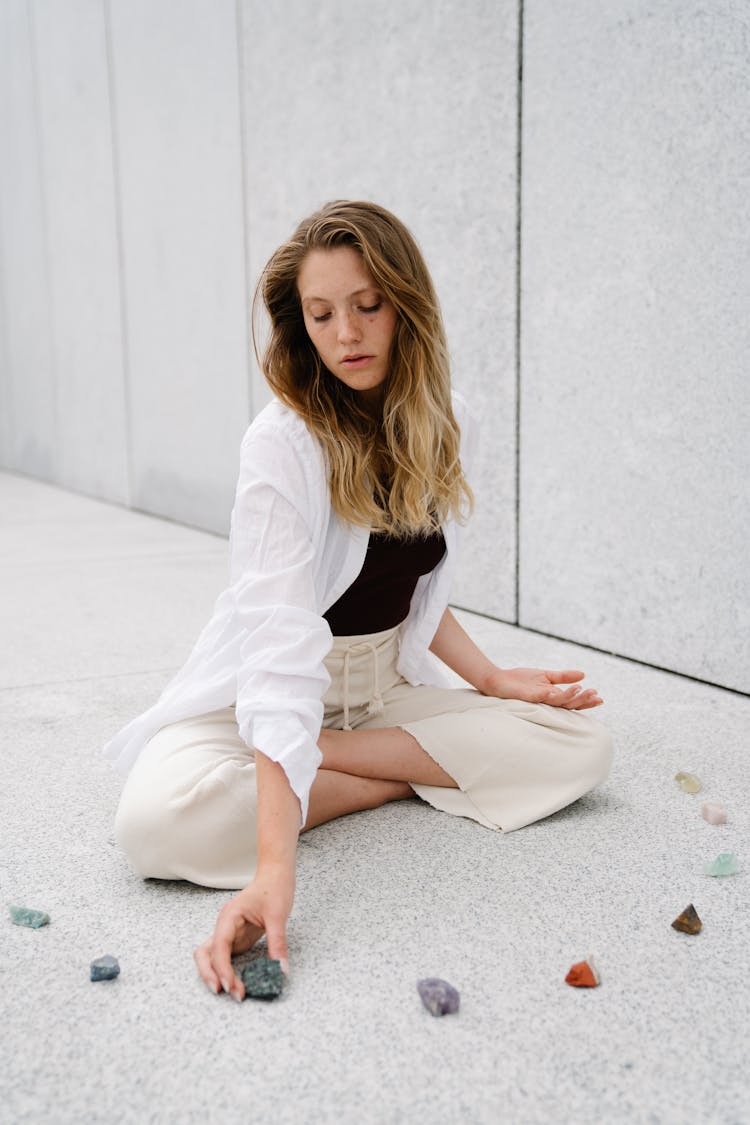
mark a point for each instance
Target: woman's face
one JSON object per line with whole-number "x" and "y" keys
{"x": 349, "y": 320}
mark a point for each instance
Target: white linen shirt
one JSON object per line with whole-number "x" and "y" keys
{"x": 290, "y": 558}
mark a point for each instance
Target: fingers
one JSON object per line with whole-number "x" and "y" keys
{"x": 217, "y": 979}
{"x": 559, "y": 698}
{"x": 277, "y": 950}
{"x": 202, "y": 958}
{"x": 574, "y": 699}
{"x": 223, "y": 940}
{"x": 235, "y": 932}
{"x": 569, "y": 676}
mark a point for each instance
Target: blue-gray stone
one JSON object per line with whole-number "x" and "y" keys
{"x": 105, "y": 968}
{"x": 22, "y": 916}
{"x": 263, "y": 979}
{"x": 438, "y": 997}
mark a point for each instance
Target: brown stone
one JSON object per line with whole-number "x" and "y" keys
{"x": 688, "y": 922}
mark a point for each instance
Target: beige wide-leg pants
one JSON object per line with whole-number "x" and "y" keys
{"x": 188, "y": 808}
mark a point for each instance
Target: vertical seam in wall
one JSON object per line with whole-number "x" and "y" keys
{"x": 519, "y": 196}
{"x": 56, "y": 458}
{"x": 7, "y": 404}
{"x": 120, "y": 244}
{"x": 7, "y": 461}
{"x": 243, "y": 186}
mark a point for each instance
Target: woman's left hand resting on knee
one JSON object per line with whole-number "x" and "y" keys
{"x": 533, "y": 685}
{"x": 265, "y": 904}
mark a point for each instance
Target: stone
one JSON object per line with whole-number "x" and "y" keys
{"x": 583, "y": 974}
{"x": 105, "y": 968}
{"x": 438, "y": 997}
{"x": 713, "y": 812}
{"x": 724, "y": 864}
{"x": 263, "y": 979}
{"x": 22, "y": 916}
{"x": 688, "y": 922}
{"x": 688, "y": 782}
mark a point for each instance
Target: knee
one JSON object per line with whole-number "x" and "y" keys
{"x": 142, "y": 830}
{"x": 598, "y": 751}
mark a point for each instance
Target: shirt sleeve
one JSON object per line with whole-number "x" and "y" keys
{"x": 281, "y": 678}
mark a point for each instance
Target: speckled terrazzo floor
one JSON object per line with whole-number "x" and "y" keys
{"x": 98, "y": 606}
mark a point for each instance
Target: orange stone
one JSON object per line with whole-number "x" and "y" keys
{"x": 583, "y": 975}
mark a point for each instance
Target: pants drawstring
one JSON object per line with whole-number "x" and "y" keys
{"x": 376, "y": 705}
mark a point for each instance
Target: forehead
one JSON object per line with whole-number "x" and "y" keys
{"x": 333, "y": 274}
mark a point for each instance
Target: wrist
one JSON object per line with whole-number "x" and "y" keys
{"x": 490, "y": 681}
{"x": 275, "y": 870}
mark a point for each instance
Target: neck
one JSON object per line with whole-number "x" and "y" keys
{"x": 372, "y": 401}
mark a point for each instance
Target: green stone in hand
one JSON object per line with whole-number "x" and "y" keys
{"x": 263, "y": 979}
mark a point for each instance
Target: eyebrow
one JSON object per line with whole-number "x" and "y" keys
{"x": 356, "y": 293}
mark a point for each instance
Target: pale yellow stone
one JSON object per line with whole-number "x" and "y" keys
{"x": 688, "y": 782}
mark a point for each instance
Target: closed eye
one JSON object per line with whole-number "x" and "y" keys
{"x": 362, "y": 308}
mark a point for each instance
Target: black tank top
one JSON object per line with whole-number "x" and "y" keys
{"x": 380, "y": 596}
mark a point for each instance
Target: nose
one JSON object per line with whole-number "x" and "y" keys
{"x": 348, "y": 330}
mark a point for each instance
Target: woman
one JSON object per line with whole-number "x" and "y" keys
{"x": 316, "y": 689}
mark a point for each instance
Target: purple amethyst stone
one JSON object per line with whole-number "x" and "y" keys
{"x": 438, "y": 997}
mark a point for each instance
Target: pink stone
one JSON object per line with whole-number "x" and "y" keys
{"x": 713, "y": 812}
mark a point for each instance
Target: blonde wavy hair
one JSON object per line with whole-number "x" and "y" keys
{"x": 400, "y": 473}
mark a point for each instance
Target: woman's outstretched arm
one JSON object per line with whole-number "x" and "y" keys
{"x": 266, "y": 903}
{"x": 454, "y": 647}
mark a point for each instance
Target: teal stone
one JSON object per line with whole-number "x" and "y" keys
{"x": 263, "y": 979}
{"x": 724, "y": 864}
{"x": 105, "y": 968}
{"x": 22, "y": 916}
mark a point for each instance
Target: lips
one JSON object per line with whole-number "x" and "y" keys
{"x": 356, "y": 360}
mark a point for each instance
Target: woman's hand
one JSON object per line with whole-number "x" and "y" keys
{"x": 264, "y": 905}
{"x": 535, "y": 685}
{"x": 453, "y": 645}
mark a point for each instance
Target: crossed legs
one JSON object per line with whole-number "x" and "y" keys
{"x": 364, "y": 769}
{"x": 188, "y": 808}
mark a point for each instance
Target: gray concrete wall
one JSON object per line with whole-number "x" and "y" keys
{"x": 29, "y": 393}
{"x": 78, "y": 204}
{"x": 152, "y": 155}
{"x": 415, "y": 109}
{"x": 125, "y": 335}
{"x": 635, "y": 411}
{"x": 179, "y": 153}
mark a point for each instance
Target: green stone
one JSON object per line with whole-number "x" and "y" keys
{"x": 263, "y": 979}
{"x": 22, "y": 916}
{"x": 724, "y": 864}
{"x": 688, "y": 782}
